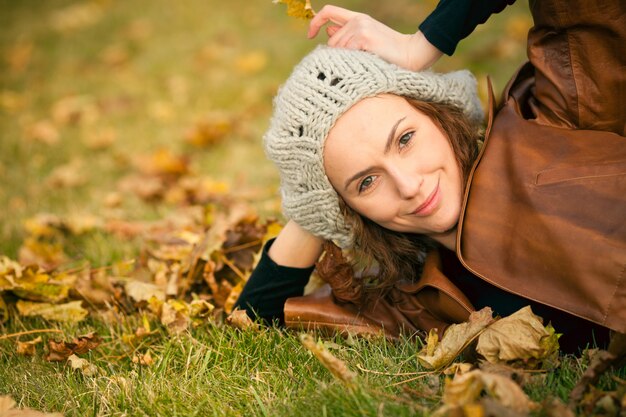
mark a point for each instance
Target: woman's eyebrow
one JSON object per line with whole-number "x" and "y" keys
{"x": 356, "y": 176}
{"x": 392, "y": 134}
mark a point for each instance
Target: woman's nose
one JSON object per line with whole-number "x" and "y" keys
{"x": 408, "y": 184}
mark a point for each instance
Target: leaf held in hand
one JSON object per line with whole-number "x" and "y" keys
{"x": 300, "y": 9}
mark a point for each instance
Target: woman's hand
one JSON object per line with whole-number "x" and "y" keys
{"x": 354, "y": 30}
{"x": 295, "y": 247}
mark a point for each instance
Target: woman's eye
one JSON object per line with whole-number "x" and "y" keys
{"x": 405, "y": 139}
{"x": 366, "y": 183}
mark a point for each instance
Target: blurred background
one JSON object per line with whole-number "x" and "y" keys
{"x": 129, "y": 110}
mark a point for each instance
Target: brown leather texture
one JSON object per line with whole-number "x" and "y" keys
{"x": 545, "y": 215}
{"x": 433, "y": 302}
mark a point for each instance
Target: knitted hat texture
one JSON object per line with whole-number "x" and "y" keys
{"x": 323, "y": 86}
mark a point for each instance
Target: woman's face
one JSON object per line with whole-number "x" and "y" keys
{"x": 393, "y": 165}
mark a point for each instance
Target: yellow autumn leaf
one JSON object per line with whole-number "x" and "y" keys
{"x": 140, "y": 291}
{"x": 27, "y": 348}
{"x": 239, "y": 319}
{"x": 32, "y": 283}
{"x": 520, "y": 337}
{"x": 232, "y": 297}
{"x": 68, "y": 312}
{"x": 336, "y": 366}
{"x": 300, "y": 9}
{"x": 83, "y": 365}
{"x": 48, "y": 255}
{"x": 144, "y": 359}
{"x": 163, "y": 162}
{"x": 200, "y": 309}
{"x": 211, "y": 129}
{"x": 438, "y": 354}
{"x": 467, "y": 388}
{"x": 175, "y": 316}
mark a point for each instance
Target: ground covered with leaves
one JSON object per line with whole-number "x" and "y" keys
{"x": 136, "y": 197}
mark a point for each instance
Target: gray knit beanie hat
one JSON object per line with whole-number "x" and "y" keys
{"x": 323, "y": 86}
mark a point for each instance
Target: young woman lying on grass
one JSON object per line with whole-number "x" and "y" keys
{"x": 387, "y": 160}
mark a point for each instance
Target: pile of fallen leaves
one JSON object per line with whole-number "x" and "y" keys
{"x": 190, "y": 267}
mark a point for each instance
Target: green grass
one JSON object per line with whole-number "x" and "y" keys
{"x": 152, "y": 69}
{"x": 221, "y": 371}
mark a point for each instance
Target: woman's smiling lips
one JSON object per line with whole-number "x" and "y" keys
{"x": 429, "y": 205}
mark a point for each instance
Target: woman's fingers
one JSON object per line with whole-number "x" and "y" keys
{"x": 329, "y": 13}
{"x": 354, "y": 30}
{"x": 331, "y": 30}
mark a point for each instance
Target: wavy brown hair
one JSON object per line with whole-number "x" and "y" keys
{"x": 401, "y": 255}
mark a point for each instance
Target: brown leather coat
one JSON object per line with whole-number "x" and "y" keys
{"x": 545, "y": 210}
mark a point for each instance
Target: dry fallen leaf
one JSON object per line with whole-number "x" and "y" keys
{"x": 175, "y": 316}
{"x": 27, "y": 348}
{"x": 34, "y": 284}
{"x": 60, "y": 350}
{"x": 600, "y": 362}
{"x": 457, "y": 337}
{"x": 7, "y": 409}
{"x": 210, "y": 131}
{"x": 144, "y": 359}
{"x": 300, "y": 9}
{"x": 520, "y": 338}
{"x": 47, "y": 254}
{"x": 239, "y": 319}
{"x": 87, "y": 368}
{"x": 163, "y": 162}
{"x": 467, "y": 388}
{"x": 336, "y": 366}
{"x": 68, "y": 312}
{"x": 140, "y": 291}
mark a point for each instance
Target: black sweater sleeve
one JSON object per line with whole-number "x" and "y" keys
{"x": 453, "y": 20}
{"x": 269, "y": 286}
